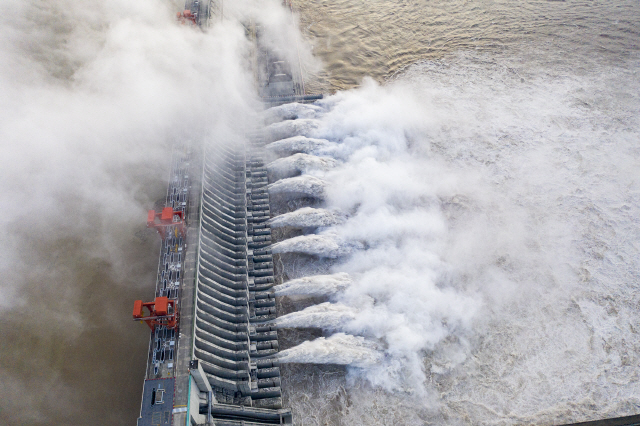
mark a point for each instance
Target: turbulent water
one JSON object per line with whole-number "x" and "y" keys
{"x": 379, "y": 38}
{"x": 493, "y": 184}
{"x": 473, "y": 235}
{"x": 498, "y": 205}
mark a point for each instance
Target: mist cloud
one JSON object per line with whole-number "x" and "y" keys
{"x": 93, "y": 95}
{"x": 495, "y": 220}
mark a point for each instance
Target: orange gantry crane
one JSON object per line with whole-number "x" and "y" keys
{"x": 166, "y": 218}
{"x": 162, "y": 312}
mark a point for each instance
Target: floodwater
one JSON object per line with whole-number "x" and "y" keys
{"x": 524, "y": 117}
{"x": 379, "y": 38}
{"x": 534, "y": 105}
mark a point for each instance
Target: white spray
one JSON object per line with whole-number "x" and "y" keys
{"x": 299, "y": 186}
{"x": 317, "y": 285}
{"x": 328, "y": 245}
{"x": 297, "y": 164}
{"x": 301, "y": 144}
{"x": 337, "y": 349}
{"x": 307, "y": 217}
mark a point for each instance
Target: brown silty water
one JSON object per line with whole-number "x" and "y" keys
{"x": 379, "y": 38}
{"x": 72, "y": 354}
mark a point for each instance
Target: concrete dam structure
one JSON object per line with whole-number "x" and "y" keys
{"x": 212, "y": 353}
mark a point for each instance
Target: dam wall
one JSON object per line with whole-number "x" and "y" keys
{"x": 234, "y": 341}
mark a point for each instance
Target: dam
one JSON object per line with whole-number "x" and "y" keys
{"x": 213, "y": 355}
{"x": 213, "y": 346}
{"x": 505, "y": 133}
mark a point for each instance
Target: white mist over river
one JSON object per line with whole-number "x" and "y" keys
{"x": 479, "y": 205}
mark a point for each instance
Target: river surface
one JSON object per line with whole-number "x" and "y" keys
{"x": 528, "y": 116}
{"x": 379, "y": 38}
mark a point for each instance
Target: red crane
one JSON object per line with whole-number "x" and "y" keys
{"x": 187, "y": 17}
{"x": 167, "y": 217}
{"x": 162, "y": 311}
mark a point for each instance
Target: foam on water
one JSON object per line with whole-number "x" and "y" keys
{"x": 496, "y": 205}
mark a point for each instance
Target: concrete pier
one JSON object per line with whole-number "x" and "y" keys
{"x": 234, "y": 341}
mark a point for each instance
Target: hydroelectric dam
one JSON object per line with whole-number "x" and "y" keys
{"x": 212, "y": 353}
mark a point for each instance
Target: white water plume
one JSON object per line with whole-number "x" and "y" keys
{"x": 301, "y": 144}
{"x": 298, "y": 187}
{"x": 291, "y": 111}
{"x": 289, "y": 128}
{"x": 306, "y": 218}
{"x": 328, "y": 245}
{"x": 339, "y": 348}
{"x": 316, "y": 285}
{"x": 328, "y": 316}
{"x": 403, "y": 294}
{"x": 296, "y": 164}
{"x": 497, "y": 216}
